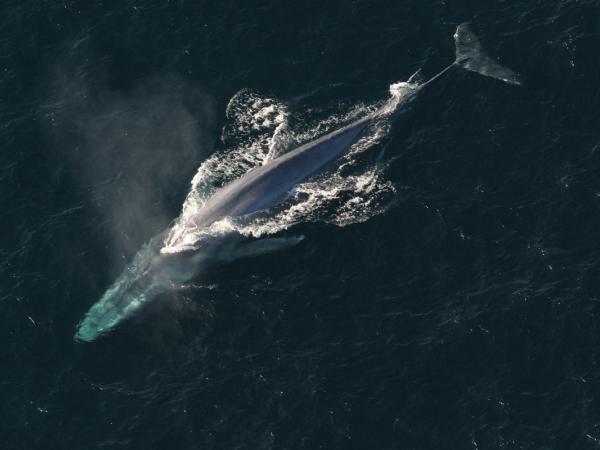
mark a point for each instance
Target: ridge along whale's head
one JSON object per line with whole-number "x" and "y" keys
{"x": 150, "y": 274}
{"x": 115, "y": 305}
{"x": 126, "y": 295}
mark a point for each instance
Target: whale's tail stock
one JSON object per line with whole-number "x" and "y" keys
{"x": 471, "y": 56}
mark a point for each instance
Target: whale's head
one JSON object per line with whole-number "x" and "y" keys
{"x": 127, "y": 294}
{"x": 148, "y": 275}
{"x": 123, "y": 298}
{"x": 151, "y": 274}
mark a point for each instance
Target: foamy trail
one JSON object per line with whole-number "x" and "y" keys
{"x": 258, "y": 131}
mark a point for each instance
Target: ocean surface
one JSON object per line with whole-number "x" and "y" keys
{"x": 443, "y": 289}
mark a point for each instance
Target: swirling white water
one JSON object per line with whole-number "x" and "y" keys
{"x": 258, "y": 130}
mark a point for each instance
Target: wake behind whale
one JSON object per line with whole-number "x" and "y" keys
{"x": 261, "y": 177}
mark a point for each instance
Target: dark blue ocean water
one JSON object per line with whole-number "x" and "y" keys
{"x": 458, "y": 310}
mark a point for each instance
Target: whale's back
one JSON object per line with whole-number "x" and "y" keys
{"x": 268, "y": 185}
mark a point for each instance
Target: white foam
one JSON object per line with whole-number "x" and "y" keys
{"x": 257, "y": 131}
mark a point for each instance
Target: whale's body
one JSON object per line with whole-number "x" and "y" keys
{"x": 267, "y": 185}
{"x": 153, "y": 272}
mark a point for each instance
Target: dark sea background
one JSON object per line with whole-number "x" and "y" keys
{"x": 460, "y": 313}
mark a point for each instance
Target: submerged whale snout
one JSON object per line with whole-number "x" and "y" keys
{"x": 117, "y": 303}
{"x": 148, "y": 276}
{"x": 87, "y": 332}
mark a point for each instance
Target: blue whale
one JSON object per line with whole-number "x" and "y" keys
{"x": 152, "y": 272}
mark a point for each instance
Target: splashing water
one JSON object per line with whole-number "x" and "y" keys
{"x": 257, "y": 131}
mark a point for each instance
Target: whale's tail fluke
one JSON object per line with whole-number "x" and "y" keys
{"x": 471, "y": 56}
